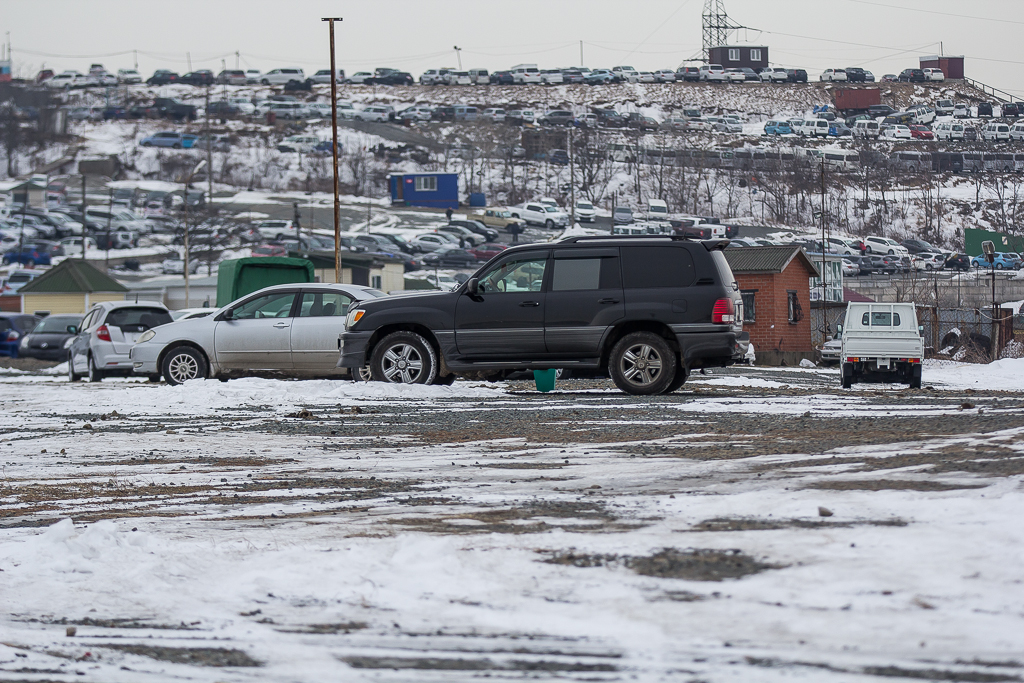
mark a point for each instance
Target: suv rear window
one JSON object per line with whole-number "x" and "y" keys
{"x": 137, "y": 319}
{"x": 655, "y": 267}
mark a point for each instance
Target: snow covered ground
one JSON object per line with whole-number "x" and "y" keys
{"x": 761, "y": 524}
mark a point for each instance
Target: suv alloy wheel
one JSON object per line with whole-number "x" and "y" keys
{"x": 642, "y": 363}
{"x": 404, "y": 358}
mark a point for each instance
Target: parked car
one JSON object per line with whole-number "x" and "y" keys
{"x": 171, "y": 108}
{"x": 499, "y": 322}
{"x": 585, "y": 211}
{"x": 465, "y": 236}
{"x": 1001, "y": 261}
{"x": 232, "y": 77}
{"x": 200, "y": 77}
{"x": 883, "y": 245}
{"x": 536, "y": 213}
{"x": 450, "y": 256}
{"x": 959, "y": 262}
{"x": 688, "y": 73}
{"x": 13, "y": 329}
{"x": 282, "y": 76}
{"x": 478, "y": 228}
{"x": 162, "y": 77}
{"x": 921, "y": 133}
{"x": 324, "y": 76}
{"x": 486, "y": 252}
{"x": 46, "y": 340}
{"x": 622, "y": 215}
{"x": 915, "y": 246}
{"x": 129, "y": 76}
{"x": 30, "y": 254}
{"x": 176, "y": 266}
{"x": 265, "y": 250}
{"x": 833, "y": 75}
{"x": 712, "y": 73}
{"x": 102, "y": 342}
{"x": 429, "y": 242}
{"x": 881, "y": 343}
{"x": 934, "y": 75}
{"x": 912, "y": 76}
{"x": 290, "y": 329}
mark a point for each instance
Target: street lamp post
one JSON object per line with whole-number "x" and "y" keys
{"x": 188, "y": 179}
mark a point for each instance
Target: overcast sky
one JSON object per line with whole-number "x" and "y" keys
{"x": 881, "y": 35}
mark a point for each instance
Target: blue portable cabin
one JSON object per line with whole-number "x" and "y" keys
{"x": 432, "y": 190}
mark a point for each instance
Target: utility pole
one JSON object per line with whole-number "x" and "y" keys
{"x": 188, "y": 58}
{"x": 110, "y": 213}
{"x": 85, "y": 219}
{"x": 298, "y": 227}
{"x": 572, "y": 179}
{"x": 188, "y": 251}
{"x": 824, "y": 244}
{"x": 236, "y": 60}
{"x": 581, "y": 53}
{"x": 334, "y": 152}
{"x": 136, "y": 59}
{"x": 209, "y": 151}
{"x": 612, "y": 228}
{"x": 458, "y": 55}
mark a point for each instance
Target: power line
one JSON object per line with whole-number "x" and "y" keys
{"x": 657, "y": 28}
{"x": 933, "y": 11}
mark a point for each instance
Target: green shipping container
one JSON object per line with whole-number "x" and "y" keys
{"x": 243, "y": 276}
{"x": 974, "y": 237}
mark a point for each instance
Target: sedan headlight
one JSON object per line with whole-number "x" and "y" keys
{"x": 353, "y": 317}
{"x": 146, "y": 336}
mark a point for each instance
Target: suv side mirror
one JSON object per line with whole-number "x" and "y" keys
{"x": 839, "y": 327}
{"x": 473, "y": 286}
{"x": 72, "y": 329}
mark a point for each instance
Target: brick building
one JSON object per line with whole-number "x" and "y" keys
{"x": 775, "y": 284}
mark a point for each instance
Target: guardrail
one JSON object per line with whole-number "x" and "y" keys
{"x": 1000, "y": 95}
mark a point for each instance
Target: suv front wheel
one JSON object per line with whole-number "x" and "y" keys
{"x": 404, "y": 358}
{"x": 642, "y": 363}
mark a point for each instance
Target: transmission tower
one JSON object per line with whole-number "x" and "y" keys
{"x": 717, "y": 25}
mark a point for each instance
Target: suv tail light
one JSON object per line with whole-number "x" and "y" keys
{"x": 103, "y": 334}
{"x": 724, "y": 312}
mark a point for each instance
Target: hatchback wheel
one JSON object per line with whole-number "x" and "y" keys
{"x": 72, "y": 376}
{"x": 404, "y": 358}
{"x": 642, "y": 363}
{"x": 183, "y": 363}
{"x": 95, "y": 374}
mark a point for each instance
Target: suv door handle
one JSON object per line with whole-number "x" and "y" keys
{"x": 281, "y": 325}
{"x": 529, "y": 304}
{"x": 607, "y": 301}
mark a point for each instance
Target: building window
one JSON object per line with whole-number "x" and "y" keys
{"x": 749, "y": 310}
{"x": 426, "y": 183}
{"x": 755, "y": 55}
{"x": 377, "y": 282}
{"x": 796, "y": 312}
{"x": 734, "y": 55}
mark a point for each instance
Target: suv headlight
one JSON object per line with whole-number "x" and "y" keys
{"x": 146, "y": 336}
{"x": 353, "y": 317}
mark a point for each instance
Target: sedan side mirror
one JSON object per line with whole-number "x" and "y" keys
{"x": 72, "y": 329}
{"x": 473, "y": 286}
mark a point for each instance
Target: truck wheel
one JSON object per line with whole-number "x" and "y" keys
{"x": 682, "y": 374}
{"x": 915, "y": 377}
{"x": 847, "y": 375}
{"x": 183, "y": 363}
{"x": 642, "y": 364}
{"x": 404, "y": 358}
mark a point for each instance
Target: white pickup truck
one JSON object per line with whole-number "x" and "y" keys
{"x": 881, "y": 343}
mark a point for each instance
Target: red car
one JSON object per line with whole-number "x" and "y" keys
{"x": 921, "y": 133}
{"x": 487, "y": 251}
{"x": 269, "y": 250}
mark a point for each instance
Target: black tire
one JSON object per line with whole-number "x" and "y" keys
{"x": 175, "y": 146}
{"x": 447, "y": 380}
{"x": 549, "y": 224}
{"x": 868, "y": 250}
{"x": 72, "y": 376}
{"x": 183, "y": 363}
{"x": 915, "y": 377}
{"x": 682, "y": 374}
{"x": 999, "y": 266}
{"x": 642, "y": 364}
{"x": 847, "y": 376}
{"x": 94, "y": 373}
{"x": 891, "y": 252}
{"x": 404, "y": 358}
{"x": 265, "y": 82}
{"x": 153, "y": 378}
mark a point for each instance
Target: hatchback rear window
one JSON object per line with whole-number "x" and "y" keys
{"x": 137, "y": 319}
{"x": 656, "y": 267}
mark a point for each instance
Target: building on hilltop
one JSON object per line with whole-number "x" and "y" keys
{"x": 739, "y": 56}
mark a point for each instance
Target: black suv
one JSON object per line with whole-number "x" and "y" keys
{"x": 912, "y": 76}
{"x": 646, "y": 309}
{"x": 855, "y": 74}
{"x": 688, "y": 73}
{"x": 796, "y": 76}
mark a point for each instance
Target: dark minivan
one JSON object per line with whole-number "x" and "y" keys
{"x": 646, "y": 309}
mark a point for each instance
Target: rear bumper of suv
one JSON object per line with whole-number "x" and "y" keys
{"x": 711, "y": 348}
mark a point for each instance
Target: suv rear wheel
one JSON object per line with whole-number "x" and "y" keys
{"x": 404, "y": 358}
{"x": 642, "y": 363}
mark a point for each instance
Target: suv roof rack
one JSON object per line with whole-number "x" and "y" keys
{"x": 588, "y": 238}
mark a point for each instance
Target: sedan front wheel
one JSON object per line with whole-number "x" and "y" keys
{"x": 183, "y": 363}
{"x": 404, "y": 358}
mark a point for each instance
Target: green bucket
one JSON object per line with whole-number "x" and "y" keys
{"x": 545, "y": 380}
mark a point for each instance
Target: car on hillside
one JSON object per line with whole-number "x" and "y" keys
{"x": 431, "y": 241}
{"x": 599, "y": 303}
{"x": 129, "y": 76}
{"x": 912, "y": 76}
{"x": 585, "y": 211}
{"x": 476, "y": 227}
{"x": 324, "y": 76}
{"x": 501, "y": 219}
{"x": 282, "y": 76}
{"x": 833, "y": 75}
{"x": 875, "y": 244}
{"x": 536, "y": 213}
{"x": 1001, "y": 261}
{"x": 713, "y": 73}
{"x": 31, "y": 254}
{"x": 289, "y": 329}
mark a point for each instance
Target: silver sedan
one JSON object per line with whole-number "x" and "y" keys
{"x": 290, "y": 329}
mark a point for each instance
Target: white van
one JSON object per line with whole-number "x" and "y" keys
{"x": 866, "y": 128}
{"x": 815, "y": 128}
{"x": 995, "y": 132}
{"x": 525, "y": 73}
{"x": 1017, "y": 132}
{"x": 657, "y": 210}
{"x": 479, "y": 76}
{"x": 842, "y": 159}
{"x": 952, "y": 130}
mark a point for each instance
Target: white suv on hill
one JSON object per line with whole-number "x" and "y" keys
{"x": 884, "y": 245}
{"x": 714, "y": 73}
{"x": 541, "y": 214}
{"x": 282, "y": 76}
